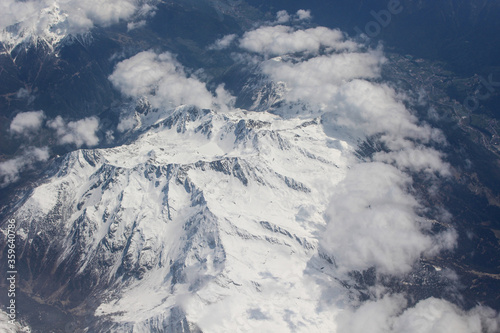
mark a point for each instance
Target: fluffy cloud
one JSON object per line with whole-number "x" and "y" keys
{"x": 163, "y": 80}
{"x": 417, "y": 160}
{"x": 223, "y": 42}
{"x": 66, "y": 16}
{"x": 282, "y": 16}
{"x": 372, "y": 219}
{"x": 10, "y": 169}
{"x": 84, "y": 14}
{"x": 127, "y": 123}
{"x": 304, "y": 14}
{"x": 135, "y": 25}
{"x": 280, "y": 39}
{"x": 372, "y": 222}
{"x": 27, "y": 122}
{"x": 79, "y": 133}
{"x": 339, "y": 83}
{"x": 388, "y": 315}
{"x": 373, "y": 216}
{"x": 342, "y": 80}
{"x": 13, "y": 11}
{"x": 317, "y": 81}
{"x": 377, "y": 109}
{"x": 24, "y": 93}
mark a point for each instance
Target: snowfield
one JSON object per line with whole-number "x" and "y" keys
{"x": 216, "y": 215}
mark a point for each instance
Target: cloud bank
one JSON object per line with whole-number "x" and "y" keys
{"x": 338, "y": 76}
{"x": 281, "y": 39}
{"x": 372, "y": 222}
{"x": 164, "y": 82}
{"x": 80, "y": 132}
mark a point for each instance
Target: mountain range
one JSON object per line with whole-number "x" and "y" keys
{"x": 237, "y": 166}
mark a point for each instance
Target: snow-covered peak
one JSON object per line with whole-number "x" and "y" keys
{"x": 203, "y": 134}
{"x": 40, "y": 25}
{"x": 201, "y": 211}
{"x": 49, "y": 22}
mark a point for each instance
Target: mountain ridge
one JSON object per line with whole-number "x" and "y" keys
{"x": 110, "y": 245}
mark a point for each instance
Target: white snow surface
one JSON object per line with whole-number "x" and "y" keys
{"x": 6, "y": 326}
{"x": 216, "y": 214}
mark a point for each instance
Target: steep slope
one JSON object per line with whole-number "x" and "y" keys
{"x": 203, "y": 210}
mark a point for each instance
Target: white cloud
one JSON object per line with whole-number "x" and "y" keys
{"x": 135, "y": 25}
{"x": 376, "y": 108}
{"x": 224, "y": 101}
{"x": 338, "y": 84}
{"x": 127, "y": 123}
{"x": 84, "y": 14}
{"x": 282, "y": 16}
{"x": 373, "y": 109}
{"x": 304, "y": 14}
{"x": 338, "y": 79}
{"x": 23, "y": 93}
{"x": 372, "y": 316}
{"x": 317, "y": 81}
{"x": 27, "y": 122}
{"x": 13, "y": 11}
{"x": 80, "y": 132}
{"x": 372, "y": 219}
{"x": 372, "y": 222}
{"x": 223, "y": 42}
{"x": 59, "y": 18}
{"x": 388, "y": 315}
{"x": 11, "y": 169}
{"x": 416, "y": 160}
{"x": 280, "y": 39}
{"x": 163, "y": 80}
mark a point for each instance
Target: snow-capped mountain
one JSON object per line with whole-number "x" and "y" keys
{"x": 43, "y": 27}
{"x": 243, "y": 171}
{"x": 202, "y": 210}
{"x": 49, "y": 24}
